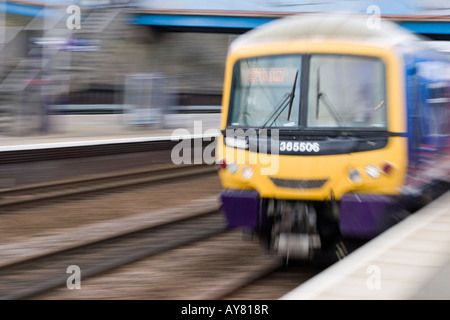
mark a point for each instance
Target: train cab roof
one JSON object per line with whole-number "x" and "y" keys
{"x": 314, "y": 27}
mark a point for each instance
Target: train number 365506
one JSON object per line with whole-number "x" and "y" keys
{"x": 296, "y": 146}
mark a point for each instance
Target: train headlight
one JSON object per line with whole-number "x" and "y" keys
{"x": 247, "y": 172}
{"x": 354, "y": 176}
{"x": 373, "y": 171}
{"x": 232, "y": 167}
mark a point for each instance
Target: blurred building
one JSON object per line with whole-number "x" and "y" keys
{"x": 185, "y": 41}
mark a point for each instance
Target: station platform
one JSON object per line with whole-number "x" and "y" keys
{"x": 410, "y": 261}
{"x": 79, "y": 145}
{"x": 66, "y": 130}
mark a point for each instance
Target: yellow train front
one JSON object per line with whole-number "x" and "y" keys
{"x": 315, "y": 143}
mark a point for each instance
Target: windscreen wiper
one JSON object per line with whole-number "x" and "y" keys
{"x": 331, "y": 109}
{"x": 282, "y": 105}
{"x": 292, "y": 95}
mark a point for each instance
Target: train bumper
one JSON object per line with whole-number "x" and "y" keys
{"x": 241, "y": 208}
{"x": 364, "y": 216}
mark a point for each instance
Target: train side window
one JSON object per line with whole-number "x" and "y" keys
{"x": 438, "y": 102}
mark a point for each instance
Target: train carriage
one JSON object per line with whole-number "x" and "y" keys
{"x": 331, "y": 127}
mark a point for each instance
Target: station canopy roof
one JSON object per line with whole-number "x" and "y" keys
{"x": 420, "y": 16}
{"x": 248, "y": 14}
{"x": 387, "y": 7}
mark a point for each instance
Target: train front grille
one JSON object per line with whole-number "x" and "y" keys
{"x": 299, "y": 184}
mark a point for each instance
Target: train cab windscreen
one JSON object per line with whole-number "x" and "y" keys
{"x": 266, "y": 92}
{"x": 343, "y": 91}
{"x": 346, "y": 91}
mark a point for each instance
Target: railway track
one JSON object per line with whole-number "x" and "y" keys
{"x": 271, "y": 280}
{"x": 40, "y": 273}
{"x": 270, "y": 283}
{"x": 19, "y": 197}
{"x": 43, "y": 270}
{"x": 187, "y": 274}
{"x": 231, "y": 288}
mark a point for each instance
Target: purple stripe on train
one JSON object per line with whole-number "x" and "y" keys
{"x": 241, "y": 208}
{"x": 361, "y": 215}
{"x": 365, "y": 215}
